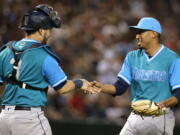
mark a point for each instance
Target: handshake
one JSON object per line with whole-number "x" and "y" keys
{"x": 94, "y": 87}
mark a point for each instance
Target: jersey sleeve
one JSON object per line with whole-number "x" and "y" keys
{"x": 53, "y": 72}
{"x": 1, "y": 81}
{"x": 175, "y": 74}
{"x": 125, "y": 72}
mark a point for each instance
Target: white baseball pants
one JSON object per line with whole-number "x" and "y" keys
{"x": 149, "y": 125}
{"x": 23, "y": 122}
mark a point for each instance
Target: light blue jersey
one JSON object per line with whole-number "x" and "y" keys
{"x": 36, "y": 68}
{"x": 149, "y": 78}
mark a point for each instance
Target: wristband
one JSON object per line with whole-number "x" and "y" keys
{"x": 78, "y": 83}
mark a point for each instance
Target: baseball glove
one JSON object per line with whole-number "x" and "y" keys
{"x": 147, "y": 108}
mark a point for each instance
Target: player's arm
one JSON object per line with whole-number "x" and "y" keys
{"x": 172, "y": 101}
{"x": 70, "y": 85}
{"x": 175, "y": 83}
{"x": 118, "y": 88}
{"x": 105, "y": 88}
{"x": 66, "y": 87}
{"x": 58, "y": 79}
{"x": 122, "y": 83}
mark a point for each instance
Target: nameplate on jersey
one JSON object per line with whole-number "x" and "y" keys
{"x": 149, "y": 75}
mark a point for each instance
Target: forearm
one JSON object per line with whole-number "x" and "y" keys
{"x": 68, "y": 87}
{"x": 172, "y": 101}
{"x": 109, "y": 89}
{"x": 118, "y": 88}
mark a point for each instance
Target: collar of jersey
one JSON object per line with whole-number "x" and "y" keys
{"x": 29, "y": 40}
{"x": 153, "y": 57}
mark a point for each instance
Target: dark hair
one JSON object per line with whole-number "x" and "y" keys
{"x": 29, "y": 32}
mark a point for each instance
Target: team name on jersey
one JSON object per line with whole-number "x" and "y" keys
{"x": 148, "y": 75}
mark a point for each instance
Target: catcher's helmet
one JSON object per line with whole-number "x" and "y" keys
{"x": 42, "y": 16}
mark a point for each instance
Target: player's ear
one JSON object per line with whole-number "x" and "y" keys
{"x": 154, "y": 34}
{"x": 40, "y": 31}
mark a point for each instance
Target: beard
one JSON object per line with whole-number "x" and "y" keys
{"x": 140, "y": 46}
{"x": 44, "y": 41}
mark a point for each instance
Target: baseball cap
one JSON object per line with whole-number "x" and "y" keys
{"x": 148, "y": 23}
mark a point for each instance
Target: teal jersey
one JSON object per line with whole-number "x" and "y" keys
{"x": 35, "y": 68}
{"x": 149, "y": 78}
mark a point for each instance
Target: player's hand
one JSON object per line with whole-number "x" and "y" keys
{"x": 89, "y": 88}
{"x": 160, "y": 105}
{"x": 97, "y": 84}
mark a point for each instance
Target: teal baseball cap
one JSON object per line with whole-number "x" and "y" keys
{"x": 148, "y": 23}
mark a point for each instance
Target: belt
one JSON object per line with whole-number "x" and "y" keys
{"x": 23, "y": 108}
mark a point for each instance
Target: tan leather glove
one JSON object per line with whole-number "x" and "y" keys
{"x": 147, "y": 107}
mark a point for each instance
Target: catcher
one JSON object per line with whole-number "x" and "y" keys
{"x": 153, "y": 82}
{"x": 27, "y": 68}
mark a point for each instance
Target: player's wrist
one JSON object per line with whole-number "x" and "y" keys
{"x": 161, "y": 105}
{"x": 78, "y": 83}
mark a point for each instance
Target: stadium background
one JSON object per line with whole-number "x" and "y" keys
{"x": 92, "y": 44}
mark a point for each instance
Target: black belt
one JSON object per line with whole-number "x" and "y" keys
{"x": 23, "y": 108}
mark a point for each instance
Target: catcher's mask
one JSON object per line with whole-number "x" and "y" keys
{"x": 42, "y": 16}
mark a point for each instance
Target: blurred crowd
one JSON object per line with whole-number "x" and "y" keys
{"x": 92, "y": 44}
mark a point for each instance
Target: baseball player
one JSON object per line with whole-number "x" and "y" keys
{"x": 149, "y": 71}
{"x": 27, "y": 68}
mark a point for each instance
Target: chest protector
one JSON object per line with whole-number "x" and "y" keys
{"x": 17, "y": 56}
